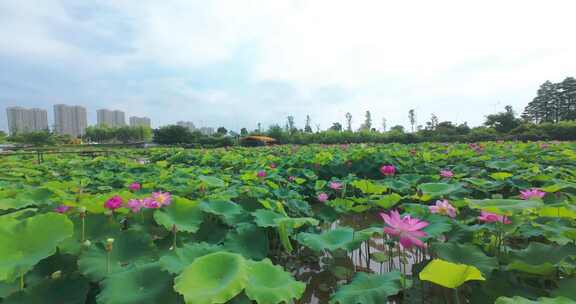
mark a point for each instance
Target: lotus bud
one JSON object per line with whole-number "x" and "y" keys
{"x": 109, "y": 243}
{"x": 87, "y": 243}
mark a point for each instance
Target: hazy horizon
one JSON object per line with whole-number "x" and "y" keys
{"x": 237, "y": 63}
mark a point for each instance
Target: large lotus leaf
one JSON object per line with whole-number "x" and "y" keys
{"x": 437, "y": 225}
{"x": 504, "y": 206}
{"x": 566, "y": 288}
{"x": 434, "y": 190}
{"x": 448, "y": 274}
{"x": 286, "y": 226}
{"x": 213, "y": 278}
{"x": 540, "y": 259}
{"x": 556, "y": 231}
{"x": 270, "y": 284}
{"x": 129, "y": 247}
{"x": 369, "y": 187}
{"x": 339, "y": 238}
{"x": 249, "y": 240}
{"x": 211, "y": 181}
{"x": 183, "y": 213}
{"x": 521, "y": 300}
{"x": 465, "y": 254}
{"x": 175, "y": 261}
{"x": 503, "y": 165}
{"x": 566, "y": 211}
{"x": 370, "y": 288}
{"x": 224, "y": 208}
{"x": 500, "y": 284}
{"x": 66, "y": 290}
{"x": 25, "y": 198}
{"x": 24, "y": 243}
{"x": 386, "y": 201}
{"x": 140, "y": 284}
{"x": 484, "y": 185}
{"x": 266, "y": 218}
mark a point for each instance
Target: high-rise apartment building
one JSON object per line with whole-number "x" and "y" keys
{"x": 207, "y": 131}
{"x": 187, "y": 124}
{"x": 70, "y": 120}
{"x": 21, "y": 120}
{"x": 111, "y": 118}
{"x": 139, "y": 121}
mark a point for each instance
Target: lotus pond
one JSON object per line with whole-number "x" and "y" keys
{"x": 426, "y": 223}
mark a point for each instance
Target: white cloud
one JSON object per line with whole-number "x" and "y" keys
{"x": 454, "y": 58}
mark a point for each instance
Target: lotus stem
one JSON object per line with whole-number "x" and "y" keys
{"x": 83, "y": 235}
{"x": 21, "y": 281}
{"x": 174, "y": 231}
{"x": 456, "y": 296}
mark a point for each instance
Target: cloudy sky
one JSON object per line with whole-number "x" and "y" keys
{"x": 236, "y": 63}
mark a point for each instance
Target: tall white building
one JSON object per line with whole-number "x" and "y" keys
{"x": 70, "y": 120}
{"x": 187, "y": 124}
{"x": 21, "y": 120}
{"x": 207, "y": 131}
{"x": 111, "y": 118}
{"x": 139, "y": 121}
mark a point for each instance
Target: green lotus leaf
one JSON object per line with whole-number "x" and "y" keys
{"x": 98, "y": 227}
{"x": 484, "y": 185}
{"x": 266, "y": 218}
{"x": 465, "y": 254}
{"x": 557, "y": 231}
{"x": 25, "y": 198}
{"x": 566, "y": 288}
{"x": 540, "y": 259}
{"x": 224, "y": 208}
{"x": 129, "y": 247}
{"x": 339, "y": 238}
{"x": 435, "y": 190}
{"x": 437, "y": 225}
{"x": 521, "y": 300}
{"x": 503, "y": 165}
{"x": 370, "y": 288}
{"x": 213, "y": 278}
{"x": 212, "y": 181}
{"x": 449, "y": 275}
{"x": 561, "y": 185}
{"x": 369, "y": 187}
{"x": 175, "y": 261}
{"x": 270, "y": 284}
{"x": 286, "y": 226}
{"x": 504, "y": 206}
{"x": 249, "y": 240}
{"x": 66, "y": 289}
{"x": 183, "y": 213}
{"x": 500, "y": 175}
{"x": 387, "y": 201}
{"x": 558, "y": 211}
{"x": 139, "y": 284}
{"x": 24, "y": 243}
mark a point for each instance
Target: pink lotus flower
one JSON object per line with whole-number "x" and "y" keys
{"x": 273, "y": 165}
{"x": 261, "y": 174}
{"x": 446, "y": 173}
{"x": 544, "y": 146}
{"x": 162, "y": 198}
{"x": 488, "y": 217}
{"x": 406, "y": 228}
{"x": 135, "y": 205}
{"x": 335, "y": 185}
{"x": 113, "y": 203}
{"x": 150, "y": 203}
{"x": 533, "y": 193}
{"x": 291, "y": 178}
{"x": 134, "y": 186}
{"x": 322, "y": 197}
{"x": 388, "y": 170}
{"x": 443, "y": 207}
{"x": 62, "y": 209}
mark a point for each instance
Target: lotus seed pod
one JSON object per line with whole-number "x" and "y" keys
{"x": 82, "y": 209}
{"x": 87, "y": 243}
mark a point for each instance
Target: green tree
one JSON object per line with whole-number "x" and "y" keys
{"x": 367, "y": 125}
{"x": 412, "y": 118}
{"x": 503, "y": 122}
{"x": 172, "y": 134}
{"x": 243, "y": 132}
{"x": 307, "y": 127}
{"x": 336, "y": 127}
{"x": 349, "y": 122}
{"x": 221, "y": 131}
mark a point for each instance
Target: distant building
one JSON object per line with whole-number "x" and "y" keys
{"x": 187, "y": 124}
{"x": 139, "y": 121}
{"x": 111, "y": 118}
{"x": 207, "y": 131}
{"x": 70, "y": 120}
{"x": 21, "y": 120}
